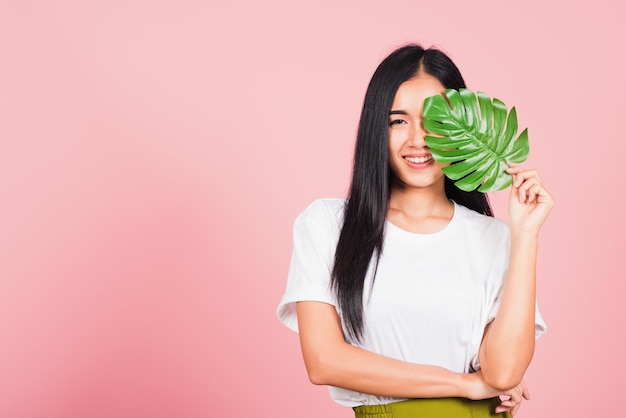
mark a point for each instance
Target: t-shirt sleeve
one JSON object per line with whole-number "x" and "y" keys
{"x": 314, "y": 240}
{"x": 500, "y": 269}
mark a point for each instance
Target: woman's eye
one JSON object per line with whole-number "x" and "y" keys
{"x": 396, "y": 122}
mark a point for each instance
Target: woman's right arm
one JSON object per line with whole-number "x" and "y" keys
{"x": 331, "y": 361}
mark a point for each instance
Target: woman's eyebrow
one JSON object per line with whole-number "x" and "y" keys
{"x": 397, "y": 112}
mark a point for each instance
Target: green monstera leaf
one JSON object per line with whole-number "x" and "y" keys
{"x": 477, "y": 136}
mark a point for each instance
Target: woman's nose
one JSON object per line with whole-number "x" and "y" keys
{"x": 416, "y": 137}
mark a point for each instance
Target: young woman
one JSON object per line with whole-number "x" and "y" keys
{"x": 410, "y": 299}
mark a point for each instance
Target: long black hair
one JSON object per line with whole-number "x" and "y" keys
{"x": 361, "y": 237}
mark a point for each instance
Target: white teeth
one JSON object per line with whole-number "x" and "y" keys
{"x": 419, "y": 160}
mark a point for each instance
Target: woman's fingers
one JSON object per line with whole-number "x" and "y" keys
{"x": 512, "y": 400}
{"x": 532, "y": 191}
{"x": 525, "y": 392}
{"x": 528, "y": 184}
{"x": 521, "y": 174}
{"x": 506, "y": 403}
{"x": 528, "y": 190}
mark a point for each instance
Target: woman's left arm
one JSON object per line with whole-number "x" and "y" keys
{"x": 509, "y": 340}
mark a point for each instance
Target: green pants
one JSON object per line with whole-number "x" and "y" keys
{"x": 432, "y": 408}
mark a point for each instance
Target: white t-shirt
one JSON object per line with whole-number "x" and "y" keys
{"x": 432, "y": 297}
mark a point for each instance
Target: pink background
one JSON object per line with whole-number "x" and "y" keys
{"x": 154, "y": 154}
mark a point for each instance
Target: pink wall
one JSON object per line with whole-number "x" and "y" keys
{"x": 153, "y": 156}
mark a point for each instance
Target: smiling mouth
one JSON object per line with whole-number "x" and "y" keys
{"x": 419, "y": 160}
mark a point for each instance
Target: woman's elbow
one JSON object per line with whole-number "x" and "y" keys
{"x": 503, "y": 379}
{"x": 317, "y": 378}
{"x": 504, "y": 372}
{"x": 318, "y": 370}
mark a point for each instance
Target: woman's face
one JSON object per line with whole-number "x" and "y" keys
{"x": 409, "y": 158}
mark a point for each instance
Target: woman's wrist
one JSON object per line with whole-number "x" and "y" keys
{"x": 475, "y": 388}
{"x": 522, "y": 232}
{"x": 469, "y": 387}
{"x": 524, "y": 241}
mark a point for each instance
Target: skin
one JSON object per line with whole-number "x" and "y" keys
{"x": 418, "y": 203}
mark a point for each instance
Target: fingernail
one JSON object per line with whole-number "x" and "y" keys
{"x": 504, "y": 397}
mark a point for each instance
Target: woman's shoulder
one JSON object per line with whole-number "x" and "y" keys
{"x": 323, "y": 210}
{"x": 320, "y": 221}
{"x": 478, "y": 221}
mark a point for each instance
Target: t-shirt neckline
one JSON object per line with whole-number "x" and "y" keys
{"x": 455, "y": 215}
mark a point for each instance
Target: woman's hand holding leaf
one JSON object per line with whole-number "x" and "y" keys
{"x": 529, "y": 202}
